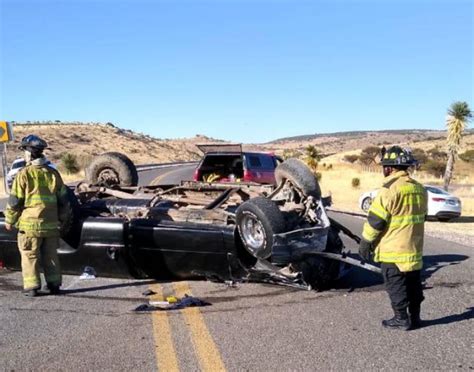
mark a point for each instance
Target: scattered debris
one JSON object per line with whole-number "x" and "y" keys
{"x": 231, "y": 284}
{"x": 148, "y": 292}
{"x": 144, "y": 307}
{"x": 88, "y": 273}
{"x": 172, "y": 303}
{"x": 171, "y": 299}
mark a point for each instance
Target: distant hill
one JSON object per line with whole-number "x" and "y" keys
{"x": 332, "y": 143}
{"x": 358, "y": 133}
{"x": 88, "y": 139}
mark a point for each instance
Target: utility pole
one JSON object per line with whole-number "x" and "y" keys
{"x": 6, "y": 135}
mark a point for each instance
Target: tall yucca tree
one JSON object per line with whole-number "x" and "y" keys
{"x": 459, "y": 114}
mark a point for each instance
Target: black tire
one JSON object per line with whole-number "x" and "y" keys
{"x": 112, "y": 168}
{"x": 257, "y": 220}
{"x": 444, "y": 219}
{"x": 69, "y": 228}
{"x": 321, "y": 272}
{"x": 299, "y": 175}
{"x": 366, "y": 203}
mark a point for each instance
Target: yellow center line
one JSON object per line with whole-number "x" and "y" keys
{"x": 208, "y": 355}
{"x": 166, "y": 359}
{"x": 163, "y": 175}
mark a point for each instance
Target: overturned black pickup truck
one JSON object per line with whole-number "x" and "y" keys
{"x": 233, "y": 231}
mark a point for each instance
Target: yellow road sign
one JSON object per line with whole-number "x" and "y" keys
{"x": 6, "y": 133}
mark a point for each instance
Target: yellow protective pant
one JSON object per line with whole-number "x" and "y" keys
{"x": 35, "y": 251}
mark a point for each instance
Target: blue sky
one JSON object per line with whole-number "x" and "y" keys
{"x": 248, "y": 71}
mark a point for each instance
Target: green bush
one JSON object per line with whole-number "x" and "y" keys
{"x": 355, "y": 182}
{"x": 69, "y": 163}
{"x": 467, "y": 156}
{"x": 420, "y": 155}
{"x": 291, "y": 154}
{"x": 312, "y": 164}
{"x": 369, "y": 155}
{"x": 436, "y": 154}
{"x": 434, "y": 167}
{"x": 312, "y": 153}
{"x": 351, "y": 158}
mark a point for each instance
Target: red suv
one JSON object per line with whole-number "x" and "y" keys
{"x": 228, "y": 163}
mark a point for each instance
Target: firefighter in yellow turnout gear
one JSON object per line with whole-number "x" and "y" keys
{"x": 394, "y": 234}
{"x": 37, "y": 204}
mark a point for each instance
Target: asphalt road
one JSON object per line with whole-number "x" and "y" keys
{"x": 249, "y": 327}
{"x": 167, "y": 176}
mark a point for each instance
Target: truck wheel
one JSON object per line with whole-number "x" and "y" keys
{"x": 299, "y": 175}
{"x": 112, "y": 168}
{"x": 70, "y": 223}
{"x": 320, "y": 272}
{"x": 366, "y": 203}
{"x": 257, "y": 220}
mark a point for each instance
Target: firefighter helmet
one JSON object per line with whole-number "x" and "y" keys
{"x": 397, "y": 156}
{"x": 33, "y": 142}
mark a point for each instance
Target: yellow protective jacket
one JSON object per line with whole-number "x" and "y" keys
{"x": 395, "y": 222}
{"x": 38, "y": 200}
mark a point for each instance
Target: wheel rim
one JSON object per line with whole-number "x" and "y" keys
{"x": 366, "y": 204}
{"x": 108, "y": 177}
{"x": 253, "y": 232}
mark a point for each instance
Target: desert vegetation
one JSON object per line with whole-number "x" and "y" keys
{"x": 75, "y": 144}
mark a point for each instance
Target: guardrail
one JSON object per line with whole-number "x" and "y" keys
{"x": 146, "y": 167}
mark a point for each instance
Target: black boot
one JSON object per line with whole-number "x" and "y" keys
{"x": 415, "y": 321}
{"x": 399, "y": 321}
{"x": 54, "y": 289}
{"x": 30, "y": 292}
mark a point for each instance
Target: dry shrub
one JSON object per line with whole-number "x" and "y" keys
{"x": 69, "y": 163}
{"x": 355, "y": 182}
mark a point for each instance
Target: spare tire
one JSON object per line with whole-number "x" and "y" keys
{"x": 257, "y": 220}
{"x": 299, "y": 175}
{"x": 112, "y": 168}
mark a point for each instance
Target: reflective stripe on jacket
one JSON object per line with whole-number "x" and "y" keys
{"x": 37, "y": 198}
{"x": 395, "y": 222}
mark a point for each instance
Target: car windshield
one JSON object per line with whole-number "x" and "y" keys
{"x": 436, "y": 190}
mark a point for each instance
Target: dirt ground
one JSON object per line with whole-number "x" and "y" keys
{"x": 337, "y": 182}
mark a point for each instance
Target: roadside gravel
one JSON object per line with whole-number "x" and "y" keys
{"x": 446, "y": 233}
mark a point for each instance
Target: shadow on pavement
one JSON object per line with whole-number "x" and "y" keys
{"x": 358, "y": 278}
{"x": 431, "y": 264}
{"x": 468, "y": 314}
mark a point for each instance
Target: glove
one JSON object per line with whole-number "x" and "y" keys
{"x": 366, "y": 249}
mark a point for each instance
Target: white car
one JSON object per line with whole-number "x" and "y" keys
{"x": 15, "y": 168}
{"x": 441, "y": 204}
